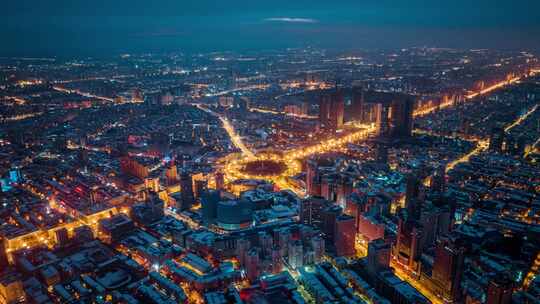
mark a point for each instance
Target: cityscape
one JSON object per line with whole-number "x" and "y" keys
{"x": 308, "y": 173}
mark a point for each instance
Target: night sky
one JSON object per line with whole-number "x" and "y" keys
{"x": 81, "y": 28}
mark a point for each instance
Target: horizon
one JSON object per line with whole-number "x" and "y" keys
{"x": 77, "y": 29}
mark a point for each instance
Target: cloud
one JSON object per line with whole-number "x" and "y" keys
{"x": 291, "y": 20}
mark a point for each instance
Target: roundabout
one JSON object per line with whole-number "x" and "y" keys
{"x": 266, "y": 166}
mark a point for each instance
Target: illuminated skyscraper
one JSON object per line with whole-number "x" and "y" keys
{"x": 209, "y": 203}
{"x": 296, "y": 254}
{"x": 266, "y": 243}
{"x": 242, "y": 248}
{"x": 317, "y": 244}
{"x": 448, "y": 268}
{"x": 186, "y": 188}
{"x": 413, "y": 200}
{"x": 277, "y": 264}
{"x": 331, "y": 109}
{"x": 220, "y": 180}
{"x": 378, "y": 256}
{"x": 252, "y": 264}
{"x": 345, "y": 234}
{"x": 408, "y": 247}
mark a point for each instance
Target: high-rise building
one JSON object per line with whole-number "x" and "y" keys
{"x": 220, "y": 180}
{"x": 329, "y": 218}
{"x": 345, "y": 234}
{"x": 266, "y": 243}
{"x": 357, "y": 105}
{"x": 311, "y": 210}
{"x": 252, "y": 264}
{"x": 408, "y": 247}
{"x": 242, "y": 248}
{"x": 171, "y": 174}
{"x": 132, "y": 167}
{"x": 496, "y": 139}
{"x": 413, "y": 200}
{"x": 317, "y": 244}
{"x": 283, "y": 238}
{"x": 438, "y": 180}
{"x": 209, "y": 203}
{"x": 325, "y": 102}
{"x": 186, "y": 188}
{"x": 401, "y": 117}
{"x": 378, "y": 256}
{"x": 499, "y": 290}
{"x": 201, "y": 186}
{"x": 296, "y": 254}
{"x": 62, "y": 238}
{"x": 448, "y": 267}
{"x": 331, "y": 109}
{"x": 277, "y": 264}
{"x": 313, "y": 183}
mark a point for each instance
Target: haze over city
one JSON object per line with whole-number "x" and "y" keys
{"x": 104, "y": 27}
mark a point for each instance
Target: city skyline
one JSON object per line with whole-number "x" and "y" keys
{"x": 292, "y": 152}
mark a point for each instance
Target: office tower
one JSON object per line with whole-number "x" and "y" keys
{"x": 283, "y": 238}
{"x": 448, "y": 267}
{"x": 378, "y": 258}
{"x": 266, "y": 243}
{"x": 62, "y": 238}
{"x": 329, "y": 218}
{"x": 408, "y": 247}
{"x": 156, "y": 206}
{"x": 413, "y": 201}
{"x": 317, "y": 244}
{"x": 438, "y": 180}
{"x": 296, "y": 254}
{"x": 429, "y": 220}
{"x": 345, "y": 235}
{"x": 242, "y": 248}
{"x": 311, "y": 210}
{"x": 252, "y": 264}
{"x": 220, "y": 180}
{"x": 329, "y": 185}
{"x": 496, "y": 139}
{"x": 313, "y": 184}
{"x": 325, "y": 102}
{"x": 201, "y": 186}
{"x": 401, "y": 117}
{"x": 331, "y": 109}
{"x": 337, "y": 110}
{"x": 344, "y": 190}
{"x": 382, "y": 123}
{"x": 171, "y": 174}
{"x": 132, "y": 167}
{"x": 209, "y": 203}
{"x": 499, "y": 290}
{"x": 357, "y": 105}
{"x": 186, "y": 186}
{"x": 277, "y": 264}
